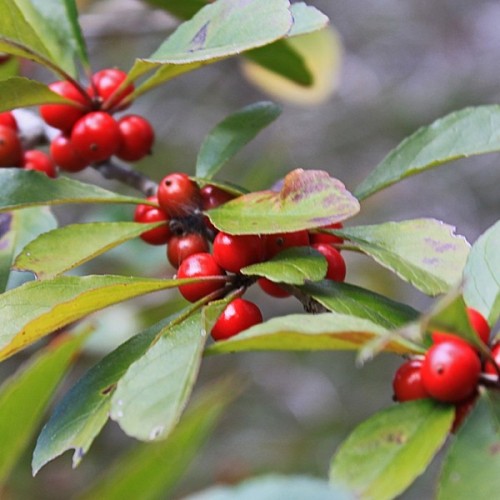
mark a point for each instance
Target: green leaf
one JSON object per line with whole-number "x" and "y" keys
{"x": 151, "y": 470}
{"x": 219, "y": 30}
{"x": 424, "y": 252}
{"x": 25, "y": 395}
{"x": 62, "y": 249}
{"x": 274, "y": 487}
{"x": 306, "y": 19}
{"x": 482, "y": 275}
{"x": 37, "y": 308}
{"x": 231, "y": 134}
{"x": 470, "y": 469}
{"x": 9, "y": 68}
{"x": 306, "y": 332}
{"x": 23, "y": 188}
{"x": 355, "y": 301}
{"x": 464, "y": 133}
{"x": 184, "y": 9}
{"x": 7, "y": 246}
{"x": 307, "y": 199}
{"x": 387, "y": 452}
{"x": 151, "y": 395}
{"x": 292, "y": 265}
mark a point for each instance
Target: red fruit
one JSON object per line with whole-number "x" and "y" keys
{"x": 178, "y": 195}
{"x": 407, "y": 383}
{"x": 273, "y": 289}
{"x": 275, "y": 243}
{"x": 64, "y": 116}
{"x": 63, "y": 153}
{"x": 450, "y": 371}
{"x": 148, "y": 214}
{"x": 40, "y": 161}
{"x": 239, "y": 315}
{"x": 137, "y": 137}
{"x": 11, "y": 151}
{"x": 439, "y": 336}
{"x": 462, "y": 410}
{"x": 197, "y": 266}
{"x": 96, "y": 136}
{"x": 181, "y": 247}
{"x": 232, "y": 252}
{"x": 479, "y": 324}
{"x": 106, "y": 83}
{"x": 212, "y": 197}
{"x": 330, "y": 239}
{"x": 336, "y": 270}
{"x": 489, "y": 367}
{"x": 7, "y": 119}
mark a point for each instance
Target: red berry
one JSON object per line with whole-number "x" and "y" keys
{"x": 178, "y": 195}
{"x": 336, "y": 270}
{"x": 137, "y": 137}
{"x": 450, "y": 371}
{"x": 197, "y": 266}
{"x": 11, "y": 151}
{"x": 148, "y": 214}
{"x": 479, "y": 324}
{"x": 239, "y": 315}
{"x": 106, "y": 82}
{"x": 462, "y": 409}
{"x": 7, "y": 119}
{"x": 181, "y": 247}
{"x": 440, "y": 336}
{"x": 330, "y": 239}
{"x": 275, "y": 243}
{"x": 407, "y": 383}
{"x": 273, "y": 289}
{"x": 64, "y": 116}
{"x": 64, "y": 155}
{"x": 40, "y": 161}
{"x": 96, "y": 136}
{"x": 232, "y": 252}
{"x": 213, "y": 196}
{"x": 489, "y": 367}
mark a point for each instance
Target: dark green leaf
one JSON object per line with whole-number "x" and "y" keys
{"x": 184, "y": 9}
{"x": 25, "y": 395}
{"x": 470, "y": 469}
{"x": 471, "y": 131}
{"x": 9, "y": 68}
{"x": 387, "y": 452}
{"x": 231, "y": 134}
{"x": 424, "y": 252}
{"x": 24, "y": 188}
{"x": 307, "y": 199}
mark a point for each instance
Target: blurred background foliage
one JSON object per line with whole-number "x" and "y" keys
{"x": 390, "y": 67}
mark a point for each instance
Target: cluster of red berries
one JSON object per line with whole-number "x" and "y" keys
{"x": 451, "y": 369}
{"x": 12, "y": 153}
{"x": 89, "y": 132}
{"x": 180, "y": 203}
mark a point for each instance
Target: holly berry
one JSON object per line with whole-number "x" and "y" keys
{"x": 330, "y": 239}
{"x": 96, "y": 136}
{"x": 65, "y": 156}
{"x": 178, "y": 195}
{"x": 232, "y": 252}
{"x": 277, "y": 242}
{"x": 181, "y": 247}
{"x": 239, "y": 315}
{"x": 450, "y": 371}
{"x": 489, "y": 367}
{"x": 137, "y": 137}
{"x": 407, "y": 383}
{"x": 7, "y": 119}
{"x": 336, "y": 269}
{"x": 106, "y": 83}
{"x": 11, "y": 151}
{"x": 272, "y": 289}
{"x": 479, "y": 324}
{"x": 33, "y": 159}
{"x": 200, "y": 265}
{"x": 148, "y": 214}
{"x": 64, "y": 116}
{"x": 213, "y": 196}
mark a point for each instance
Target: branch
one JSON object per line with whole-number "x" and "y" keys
{"x": 310, "y": 305}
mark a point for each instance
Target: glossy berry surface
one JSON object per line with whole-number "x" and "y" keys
{"x": 11, "y": 151}
{"x": 65, "y": 156}
{"x": 330, "y": 239}
{"x": 336, "y": 269}
{"x": 407, "y": 383}
{"x": 450, "y": 371}
{"x": 96, "y": 136}
{"x": 181, "y": 247}
{"x": 106, "y": 83}
{"x": 277, "y": 242}
{"x": 178, "y": 195}
{"x": 40, "y": 161}
{"x": 7, "y": 119}
{"x": 239, "y": 315}
{"x": 489, "y": 367}
{"x": 232, "y": 252}
{"x": 479, "y": 324}
{"x": 136, "y": 138}
{"x": 197, "y": 266}
{"x": 64, "y": 116}
{"x": 213, "y": 196}
{"x": 148, "y": 214}
{"x": 272, "y": 289}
